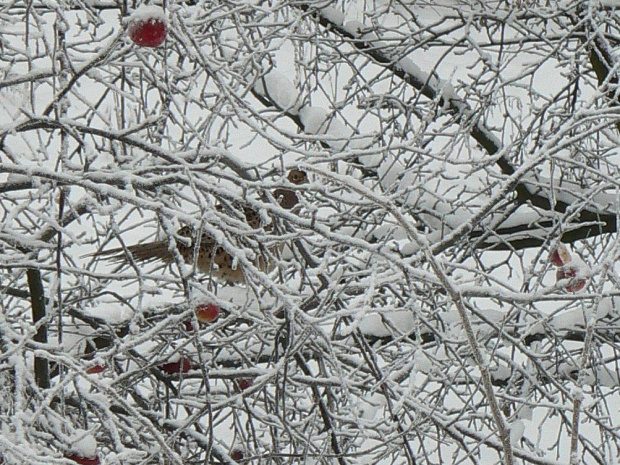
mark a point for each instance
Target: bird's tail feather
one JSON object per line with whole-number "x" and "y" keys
{"x": 140, "y": 252}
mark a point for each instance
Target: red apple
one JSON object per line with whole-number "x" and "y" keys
{"x": 183, "y": 365}
{"x": 83, "y": 460}
{"x": 96, "y": 369}
{"x": 568, "y": 272}
{"x": 237, "y": 454}
{"x": 207, "y": 313}
{"x": 560, "y": 256}
{"x": 147, "y": 26}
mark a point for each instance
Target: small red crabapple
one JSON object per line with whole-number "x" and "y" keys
{"x": 243, "y": 383}
{"x": 83, "y": 460}
{"x": 96, "y": 369}
{"x": 207, "y": 313}
{"x": 183, "y": 365}
{"x": 147, "y": 26}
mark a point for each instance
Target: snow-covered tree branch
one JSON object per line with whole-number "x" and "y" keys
{"x": 320, "y": 232}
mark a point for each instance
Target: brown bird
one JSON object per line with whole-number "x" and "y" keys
{"x": 286, "y": 197}
{"x": 210, "y": 258}
{"x": 252, "y": 217}
{"x": 298, "y": 177}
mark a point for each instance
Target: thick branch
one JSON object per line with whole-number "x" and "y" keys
{"x": 37, "y": 299}
{"x": 482, "y": 135}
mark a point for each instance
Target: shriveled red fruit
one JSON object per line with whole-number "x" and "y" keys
{"x": 147, "y": 26}
{"x": 560, "y": 256}
{"x": 83, "y": 460}
{"x": 96, "y": 369}
{"x": 189, "y": 326}
{"x": 237, "y": 454}
{"x": 243, "y": 383}
{"x": 555, "y": 258}
{"x": 183, "y": 365}
{"x": 568, "y": 273}
{"x": 207, "y": 313}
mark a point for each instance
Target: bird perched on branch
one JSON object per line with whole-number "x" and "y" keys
{"x": 209, "y": 257}
{"x": 287, "y": 198}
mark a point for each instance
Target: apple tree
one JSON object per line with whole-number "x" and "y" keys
{"x": 309, "y": 232}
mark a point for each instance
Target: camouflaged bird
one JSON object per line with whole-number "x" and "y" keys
{"x": 210, "y": 258}
{"x": 288, "y": 198}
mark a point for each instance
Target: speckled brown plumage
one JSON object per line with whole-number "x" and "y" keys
{"x": 297, "y": 177}
{"x": 211, "y": 258}
{"x": 286, "y": 197}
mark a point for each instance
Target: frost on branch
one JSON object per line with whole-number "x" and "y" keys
{"x": 418, "y": 205}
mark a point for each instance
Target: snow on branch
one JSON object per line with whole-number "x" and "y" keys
{"x": 362, "y": 37}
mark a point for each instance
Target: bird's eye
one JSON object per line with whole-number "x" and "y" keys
{"x": 297, "y": 177}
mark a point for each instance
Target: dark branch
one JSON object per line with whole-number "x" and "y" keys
{"x": 37, "y": 300}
